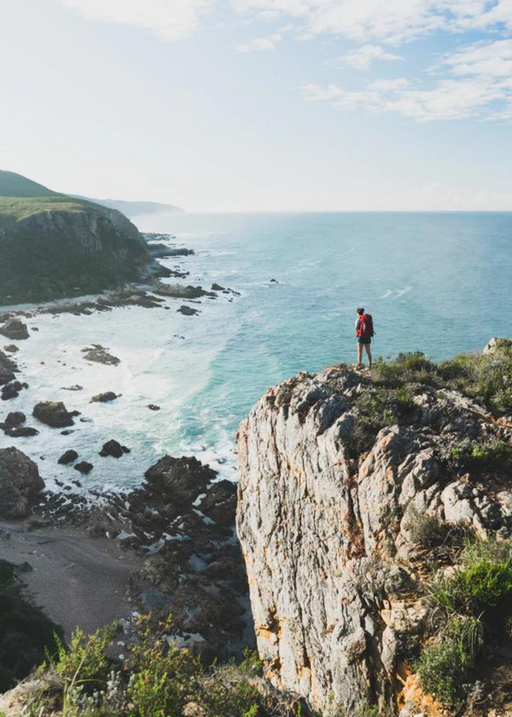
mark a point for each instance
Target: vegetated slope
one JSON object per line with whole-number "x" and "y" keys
{"x": 375, "y": 517}
{"x": 53, "y": 246}
{"x": 15, "y": 185}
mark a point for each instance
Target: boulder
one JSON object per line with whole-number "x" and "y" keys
{"x": 181, "y": 480}
{"x": 15, "y": 330}
{"x": 68, "y": 457}
{"x": 84, "y": 467}
{"x": 12, "y": 390}
{"x": 53, "y": 413}
{"x": 15, "y": 418}
{"x": 187, "y": 310}
{"x": 20, "y": 483}
{"x": 8, "y": 369}
{"x": 114, "y": 449}
{"x": 99, "y": 354}
{"x": 105, "y": 397}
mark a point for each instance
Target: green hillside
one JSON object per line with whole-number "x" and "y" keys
{"x": 14, "y": 185}
{"x": 55, "y": 246}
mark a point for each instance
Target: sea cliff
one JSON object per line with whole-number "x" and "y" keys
{"x": 361, "y": 498}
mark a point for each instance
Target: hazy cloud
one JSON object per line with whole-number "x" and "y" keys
{"x": 260, "y": 44}
{"x": 169, "y": 19}
{"x": 362, "y": 57}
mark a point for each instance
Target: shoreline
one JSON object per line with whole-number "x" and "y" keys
{"x": 103, "y": 553}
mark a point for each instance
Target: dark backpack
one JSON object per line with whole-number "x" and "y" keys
{"x": 366, "y": 326}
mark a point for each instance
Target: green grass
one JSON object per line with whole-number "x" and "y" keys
{"x": 15, "y": 209}
{"x": 15, "y": 185}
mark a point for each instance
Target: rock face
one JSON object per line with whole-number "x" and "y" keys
{"x": 56, "y": 246}
{"x": 328, "y": 537}
{"x": 20, "y": 483}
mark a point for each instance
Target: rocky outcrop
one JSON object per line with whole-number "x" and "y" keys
{"x": 20, "y": 483}
{"x": 328, "y": 532}
{"x": 14, "y": 329}
{"x": 54, "y": 247}
{"x": 53, "y": 414}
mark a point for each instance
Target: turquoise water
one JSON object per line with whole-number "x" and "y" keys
{"x": 437, "y": 283}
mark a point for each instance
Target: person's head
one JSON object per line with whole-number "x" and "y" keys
{"x": 360, "y": 311}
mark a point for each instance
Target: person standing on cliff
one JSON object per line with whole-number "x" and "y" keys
{"x": 364, "y": 334}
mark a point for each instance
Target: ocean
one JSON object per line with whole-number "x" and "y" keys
{"x": 437, "y": 283}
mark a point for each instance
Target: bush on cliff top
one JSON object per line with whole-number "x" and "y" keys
{"x": 484, "y": 377}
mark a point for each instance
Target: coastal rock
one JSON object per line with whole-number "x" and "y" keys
{"x": 83, "y": 467}
{"x": 68, "y": 457}
{"x": 153, "y": 407}
{"x": 15, "y": 330}
{"x": 328, "y": 535}
{"x": 99, "y": 354}
{"x": 106, "y": 397}
{"x": 53, "y": 414}
{"x": 187, "y": 310}
{"x": 114, "y": 449}
{"x": 20, "y": 483}
{"x": 178, "y": 291}
{"x": 180, "y": 479}
{"x": 160, "y": 251}
{"x": 12, "y": 389}
{"x": 15, "y": 418}
{"x": 11, "y": 348}
{"x": 8, "y": 369}
{"x": 219, "y": 503}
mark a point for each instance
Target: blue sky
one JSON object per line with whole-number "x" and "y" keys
{"x": 262, "y": 105}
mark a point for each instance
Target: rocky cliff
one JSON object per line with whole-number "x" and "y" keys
{"x": 357, "y": 493}
{"x": 53, "y": 246}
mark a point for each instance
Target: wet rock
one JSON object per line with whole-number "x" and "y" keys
{"x": 153, "y": 407}
{"x": 218, "y": 287}
{"x": 114, "y": 449}
{"x": 181, "y": 479}
{"x": 15, "y": 330}
{"x": 105, "y": 397}
{"x": 160, "y": 251}
{"x": 178, "y": 291}
{"x": 20, "y": 483}
{"x": 219, "y": 503}
{"x": 8, "y": 369}
{"x": 21, "y": 432}
{"x": 53, "y": 414}
{"x": 15, "y": 418}
{"x": 84, "y": 467}
{"x": 76, "y": 387}
{"x": 12, "y": 390}
{"x": 11, "y": 348}
{"x": 99, "y": 354}
{"x": 68, "y": 457}
{"x": 187, "y": 310}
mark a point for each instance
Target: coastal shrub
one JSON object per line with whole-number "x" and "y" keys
{"x": 376, "y": 408}
{"x": 487, "y": 455}
{"x": 427, "y": 530}
{"x": 85, "y": 660}
{"x": 440, "y": 672}
{"x": 412, "y": 367}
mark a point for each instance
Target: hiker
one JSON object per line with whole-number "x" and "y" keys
{"x": 364, "y": 333}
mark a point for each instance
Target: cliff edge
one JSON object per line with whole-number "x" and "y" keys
{"x": 361, "y": 498}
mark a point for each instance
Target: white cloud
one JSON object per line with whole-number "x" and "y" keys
{"x": 392, "y": 21}
{"x": 362, "y": 57}
{"x": 479, "y": 84}
{"x": 169, "y": 19}
{"x": 260, "y": 44}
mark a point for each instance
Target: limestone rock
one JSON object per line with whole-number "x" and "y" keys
{"x": 327, "y": 537}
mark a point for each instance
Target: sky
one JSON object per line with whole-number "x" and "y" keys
{"x": 262, "y": 105}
